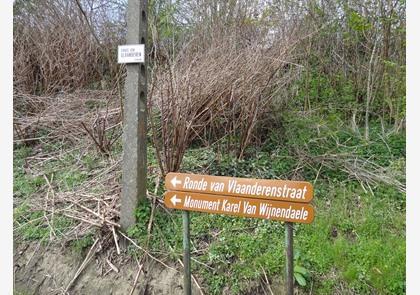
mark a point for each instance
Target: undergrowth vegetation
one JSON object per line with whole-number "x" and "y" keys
{"x": 355, "y": 245}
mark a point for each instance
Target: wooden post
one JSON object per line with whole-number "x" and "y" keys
{"x": 186, "y": 244}
{"x": 289, "y": 258}
{"x": 134, "y": 164}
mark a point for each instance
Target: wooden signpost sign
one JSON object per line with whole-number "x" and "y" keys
{"x": 279, "y": 190}
{"x": 280, "y": 200}
{"x": 238, "y": 206}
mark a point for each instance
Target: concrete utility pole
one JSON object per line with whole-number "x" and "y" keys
{"x": 135, "y": 125}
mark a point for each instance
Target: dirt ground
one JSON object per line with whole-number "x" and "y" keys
{"x": 40, "y": 269}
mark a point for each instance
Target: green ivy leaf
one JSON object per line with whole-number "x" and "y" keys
{"x": 301, "y": 270}
{"x": 300, "y": 279}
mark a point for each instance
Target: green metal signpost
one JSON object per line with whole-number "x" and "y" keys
{"x": 227, "y": 195}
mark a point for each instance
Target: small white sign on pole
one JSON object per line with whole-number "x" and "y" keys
{"x": 131, "y": 53}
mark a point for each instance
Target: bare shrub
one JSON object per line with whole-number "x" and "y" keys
{"x": 63, "y": 45}
{"x": 103, "y": 135}
{"x": 223, "y": 90}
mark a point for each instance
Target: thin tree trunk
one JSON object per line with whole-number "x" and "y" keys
{"x": 369, "y": 90}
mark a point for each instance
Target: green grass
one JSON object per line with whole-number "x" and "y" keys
{"x": 359, "y": 237}
{"x": 65, "y": 173}
{"x": 80, "y": 245}
{"x": 32, "y": 225}
{"x": 24, "y": 184}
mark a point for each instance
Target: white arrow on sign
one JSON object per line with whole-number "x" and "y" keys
{"x": 175, "y": 181}
{"x": 175, "y": 200}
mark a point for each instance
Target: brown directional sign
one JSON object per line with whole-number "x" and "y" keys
{"x": 279, "y": 190}
{"x": 246, "y": 207}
